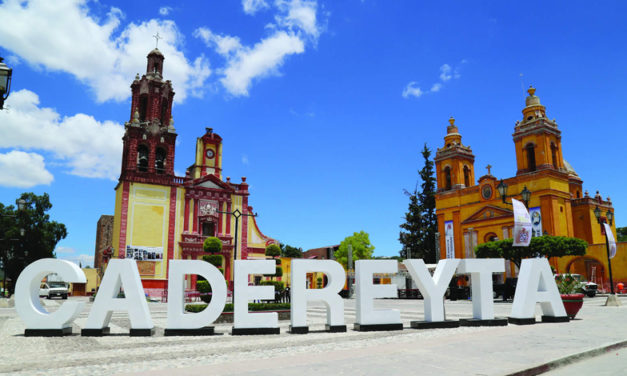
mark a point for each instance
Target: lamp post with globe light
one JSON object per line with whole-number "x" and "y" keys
{"x": 5, "y": 82}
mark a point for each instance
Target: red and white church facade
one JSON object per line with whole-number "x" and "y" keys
{"x": 159, "y": 216}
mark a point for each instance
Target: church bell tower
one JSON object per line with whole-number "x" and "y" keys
{"x": 454, "y": 162}
{"x": 149, "y": 138}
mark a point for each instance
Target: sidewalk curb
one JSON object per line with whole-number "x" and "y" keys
{"x": 554, "y": 364}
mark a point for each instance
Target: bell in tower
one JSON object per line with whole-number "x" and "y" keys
{"x": 454, "y": 162}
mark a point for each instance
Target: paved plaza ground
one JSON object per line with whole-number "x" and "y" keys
{"x": 459, "y": 351}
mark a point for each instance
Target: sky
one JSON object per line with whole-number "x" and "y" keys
{"x": 323, "y": 105}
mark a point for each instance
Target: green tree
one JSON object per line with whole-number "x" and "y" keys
{"x": 621, "y": 234}
{"x": 40, "y": 238}
{"x": 273, "y": 250}
{"x": 289, "y": 251}
{"x": 212, "y": 245}
{"x": 547, "y": 245}
{"x": 417, "y": 235}
{"x": 362, "y": 249}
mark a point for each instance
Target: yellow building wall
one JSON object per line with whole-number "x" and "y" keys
{"x": 117, "y": 215}
{"x": 93, "y": 279}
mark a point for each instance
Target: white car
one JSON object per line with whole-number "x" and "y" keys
{"x": 52, "y": 289}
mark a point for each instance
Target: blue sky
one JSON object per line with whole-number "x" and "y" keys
{"x": 323, "y": 105}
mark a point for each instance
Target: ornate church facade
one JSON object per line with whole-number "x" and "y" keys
{"x": 472, "y": 211}
{"x": 161, "y": 217}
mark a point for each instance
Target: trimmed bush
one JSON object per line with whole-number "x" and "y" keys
{"x": 212, "y": 245}
{"x": 215, "y": 260}
{"x": 278, "y": 261}
{"x": 251, "y": 307}
{"x": 278, "y": 272}
{"x": 204, "y": 288}
{"x": 278, "y": 286}
{"x": 273, "y": 250}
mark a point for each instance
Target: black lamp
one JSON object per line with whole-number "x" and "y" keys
{"x": 597, "y": 213}
{"x": 610, "y": 216}
{"x": 5, "y": 82}
{"x": 526, "y": 196}
{"x": 502, "y": 188}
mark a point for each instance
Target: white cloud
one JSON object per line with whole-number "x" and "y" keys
{"x": 63, "y": 36}
{"x": 164, "y": 11}
{"x": 84, "y": 146}
{"x": 64, "y": 250}
{"x": 78, "y": 259}
{"x": 252, "y": 6}
{"x": 23, "y": 170}
{"x": 245, "y": 160}
{"x": 225, "y": 45}
{"x": 411, "y": 90}
{"x": 436, "y": 87}
{"x": 445, "y": 72}
{"x": 262, "y": 60}
{"x": 298, "y": 14}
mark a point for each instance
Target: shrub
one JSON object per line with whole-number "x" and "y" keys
{"x": 204, "y": 288}
{"x": 273, "y": 250}
{"x": 212, "y": 245}
{"x": 278, "y": 261}
{"x": 278, "y": 286}
{"x": 251, "y": 307}
{"x": 278, "y": 272}
{"x": 215, "y": 260}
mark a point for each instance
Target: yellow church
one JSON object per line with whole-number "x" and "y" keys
{"x": 472, "y": 212}
{"x": 160, "y": 216}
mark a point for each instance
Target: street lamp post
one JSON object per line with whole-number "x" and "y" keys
{"x": 525, "y": 193}
{"x": 5, "y": 82}
{"x": 237, "y": 214}
{"x": 610, "y": 217}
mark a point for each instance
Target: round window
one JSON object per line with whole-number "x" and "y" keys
{"x": 486, "y": 192}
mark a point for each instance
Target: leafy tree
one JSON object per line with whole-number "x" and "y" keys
{"x": 547, "y": 245}
{"x": 212, "y": 245}
{"x": 41, "y": 235}
{"x": 289, "y": 251}
{"x": 273, "y": 250}
{"x": 362, "y": 249}
{"x": 621, "y": 234}
{"x": 417, "y": 235}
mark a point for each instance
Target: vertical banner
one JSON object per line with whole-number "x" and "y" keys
{"x": 536, "y": 221}
{"x": 522, "y": 224}
{"x": 449, "y": 237}
{"x": 610, "y": 239}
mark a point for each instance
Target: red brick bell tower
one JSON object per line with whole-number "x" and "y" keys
{"x": 149, "y": 138}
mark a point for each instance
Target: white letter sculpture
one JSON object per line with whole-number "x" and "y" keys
{"x": 369, "y": 319}
{"x": 480, "y": 271}
{"x": 38, "y": 321}
{"x": 180, "y": 323}
{"x": 300, "y": 294}
{"x": 536, "y": 284}
{"x": 120, "y": 273}
{"x": 432, "y": 290}
{"x": 243, "y": 321}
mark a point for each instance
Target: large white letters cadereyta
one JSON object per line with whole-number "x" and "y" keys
{"x": 481, "y": 284}
{"x": 120, "y": 273}
{"x": 242, "y": 319}
{"x": 300, "y": 294}
{"x": 366, "y": 291}
{"x": 27, "y": 302}
{"x": 536, "y": 284}
{"x": 177, "y": 318}
{"x": 432, "y": 289}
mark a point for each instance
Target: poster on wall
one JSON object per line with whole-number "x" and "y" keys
{"x": 140, "y": 253}
{"x": 522, "y": 224}
{"x": 536, "y": 221}
{"x": 449, "y": 237}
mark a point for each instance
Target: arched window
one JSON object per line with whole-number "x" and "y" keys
{"x": 142, "y": 158}
{"x": 554, "y": 155}
{"x": 447, "y": 178}
{"x": 143, "y": 107}
{"x": 160, "y": 161}
{"x": 578, "y": 194}
{"x": 531, "y": 157}
{"x": 466, "y": 176}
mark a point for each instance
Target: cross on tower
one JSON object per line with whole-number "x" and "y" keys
{"x": 488, "y": 167}
{"x": 157, "y": 37}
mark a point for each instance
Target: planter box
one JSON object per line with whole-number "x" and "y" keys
{"x": 572, "y": 303}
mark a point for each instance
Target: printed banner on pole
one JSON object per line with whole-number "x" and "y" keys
{"x": 536, "y": 221}
{"x": 522, "y": 224}
{"x": 449, "y": 237}
{"x": 610, "y": 239}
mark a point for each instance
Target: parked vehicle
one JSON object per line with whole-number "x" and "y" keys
{"x": 588, "y": 288}
{"x": 52, "y": 289}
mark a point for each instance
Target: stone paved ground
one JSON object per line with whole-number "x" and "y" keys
{"x": 460, "y": 351}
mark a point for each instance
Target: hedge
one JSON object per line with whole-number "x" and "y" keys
{"x": 215, "y": 260}
{"x": 251, "y": 307}
{"x": 278, "y": 286}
